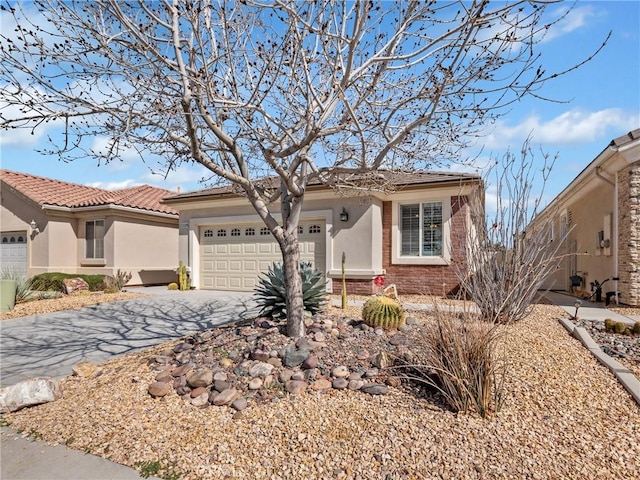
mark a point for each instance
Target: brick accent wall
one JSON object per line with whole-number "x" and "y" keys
{"x": 427, "y": 279}
{"x": 629, "y": 234}
{"x": 354, "y": 286}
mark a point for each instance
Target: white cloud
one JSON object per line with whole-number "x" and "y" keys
{"x": 574, "y": 127}
{"x": 575, "y": 19}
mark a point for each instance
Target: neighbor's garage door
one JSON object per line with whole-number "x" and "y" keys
{"x": 233, "y": 256}
{"x": 13, "y": 252}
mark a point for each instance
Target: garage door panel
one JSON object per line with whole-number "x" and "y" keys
{"x": 13, "y": 252}
{"x": 235, "y": 262}
{"x": 264, "y": 248}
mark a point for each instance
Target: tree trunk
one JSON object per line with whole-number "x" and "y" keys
{"x": 293, "y": 284}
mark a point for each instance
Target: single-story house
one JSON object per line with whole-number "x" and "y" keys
{"x": 48, "y": 225}
{"x": 414, "y": 237}
{"x": 600, "y": 209}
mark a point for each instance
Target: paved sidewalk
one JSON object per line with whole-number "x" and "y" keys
{"x": 588, "y": 310}
{"x": 22, "y": 459}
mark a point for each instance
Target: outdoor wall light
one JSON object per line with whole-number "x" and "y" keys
{"x": 578, "y": 304}
{"x": 344, "y": 216}
{"x": 34, "y": 227}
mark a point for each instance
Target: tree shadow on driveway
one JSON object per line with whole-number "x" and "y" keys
{"x": 50, "y": 344}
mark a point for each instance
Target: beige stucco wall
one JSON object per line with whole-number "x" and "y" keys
{"x": 144, "y": 244}
{"x": 360, "y": 238}
{"x": 149, "y": 250}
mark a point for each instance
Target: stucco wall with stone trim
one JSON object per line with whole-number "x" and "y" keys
{"x": 629, "y": 236}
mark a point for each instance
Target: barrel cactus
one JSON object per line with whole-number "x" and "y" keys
{"x": 383, "y": 312}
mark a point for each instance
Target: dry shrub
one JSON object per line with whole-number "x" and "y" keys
{"x": 460, "y": 360}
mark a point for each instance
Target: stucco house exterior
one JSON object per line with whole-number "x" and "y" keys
{"x": 600, "y": 209}
{"x": 414, "y": 237}
{"x": 47, "y": 225}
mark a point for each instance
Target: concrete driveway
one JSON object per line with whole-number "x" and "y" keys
{"x": 50, "y": 344}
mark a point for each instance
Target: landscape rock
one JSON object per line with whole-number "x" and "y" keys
{"x": 375, "y": 389}
{"x": 340, "y": 383}
{"x": 27, "y": 393}
{"x": 198, "y": 391}
{"x": 381, "y": 360}
{"x": 355, "y": 384}
{"x": 159, "y": 389}
{"x": 340, "y": 372}
{"x": 201, "y": 400}
{"x": 321, "y": 384}
{"x": 296, "y": 387}
{"x": 293, "y": 358}
{"x": 261, "y": 369}
{"x": 221, "y": 385}
{"x": 239, "y": 404}
{"x": 310, "y": 362}
{"x": 255, "y": 384}
{"x": 164, "y": 376}
{"x": 200, "y": 378}
{"x": 85, "y": 370}
{"x": 226, "y": 397}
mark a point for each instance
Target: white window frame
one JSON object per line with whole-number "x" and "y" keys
{"x": 86, "y": 240}
{"x": 396, "y": 233}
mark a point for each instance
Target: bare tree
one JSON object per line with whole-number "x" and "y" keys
{"x": 514, "y": 250}
{"x": 289, "y": 90}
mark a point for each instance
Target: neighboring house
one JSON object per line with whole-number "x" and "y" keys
{"x": 601, "y": 210}
{"x": 47, "y": 225}
{"x": 414, "y": 237}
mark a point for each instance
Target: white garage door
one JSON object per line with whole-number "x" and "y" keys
{"x": 233, "y": 256}
{"x": 13, "y": 253}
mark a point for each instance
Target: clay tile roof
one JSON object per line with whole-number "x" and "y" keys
{"x": 48, "y": 191}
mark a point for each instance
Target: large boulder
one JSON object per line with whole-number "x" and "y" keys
{"x": 73, "y": 285}
{"x": 27, "y": 393}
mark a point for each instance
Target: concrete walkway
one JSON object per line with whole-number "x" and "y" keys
{"x": 588, "y": 310}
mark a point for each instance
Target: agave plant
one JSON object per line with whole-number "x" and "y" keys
{"x": 271, "y": 292}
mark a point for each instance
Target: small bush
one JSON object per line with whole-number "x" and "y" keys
{"x": 53, "y": 281}
{"x": 609, "y": 325}
{"x": 636, "y": 328}
{"x": 270, "y": 293}
{"x": 620, "y": 327}
{"x": 459, "y": 359}
{"x": 116, "y": 283}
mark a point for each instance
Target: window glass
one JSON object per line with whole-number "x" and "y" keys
{"x": 410, "y": 230}
{"x": 264, "y": 231}
{"x": 250, "y": 232}
{"x": 235, "y": 232}
{"x": 421, "y": 229}
{"x": 314, "y": 228}
{"x": 222, "y": 232}
{"x": 431, "y": 229}
{"x": 208, "y": 233}
{"x": 94, "y": 239}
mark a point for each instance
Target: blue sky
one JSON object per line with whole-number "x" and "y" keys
{"x": 602, "y": 101}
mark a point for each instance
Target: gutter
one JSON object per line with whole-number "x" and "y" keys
{"x": 110, "y": 206}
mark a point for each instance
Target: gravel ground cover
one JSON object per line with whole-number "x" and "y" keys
{"x": 565, "y": 417}
{"x": 65, "y": 302}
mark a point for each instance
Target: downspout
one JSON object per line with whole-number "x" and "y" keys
{"x": 615, "y": 238}
{"x": 614, "y": 234}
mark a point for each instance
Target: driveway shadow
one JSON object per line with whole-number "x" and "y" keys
{"x": 50, "y": 344}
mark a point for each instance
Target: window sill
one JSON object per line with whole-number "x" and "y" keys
{"x": 93, "y": 262}
{"x": 420, "y": 261}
